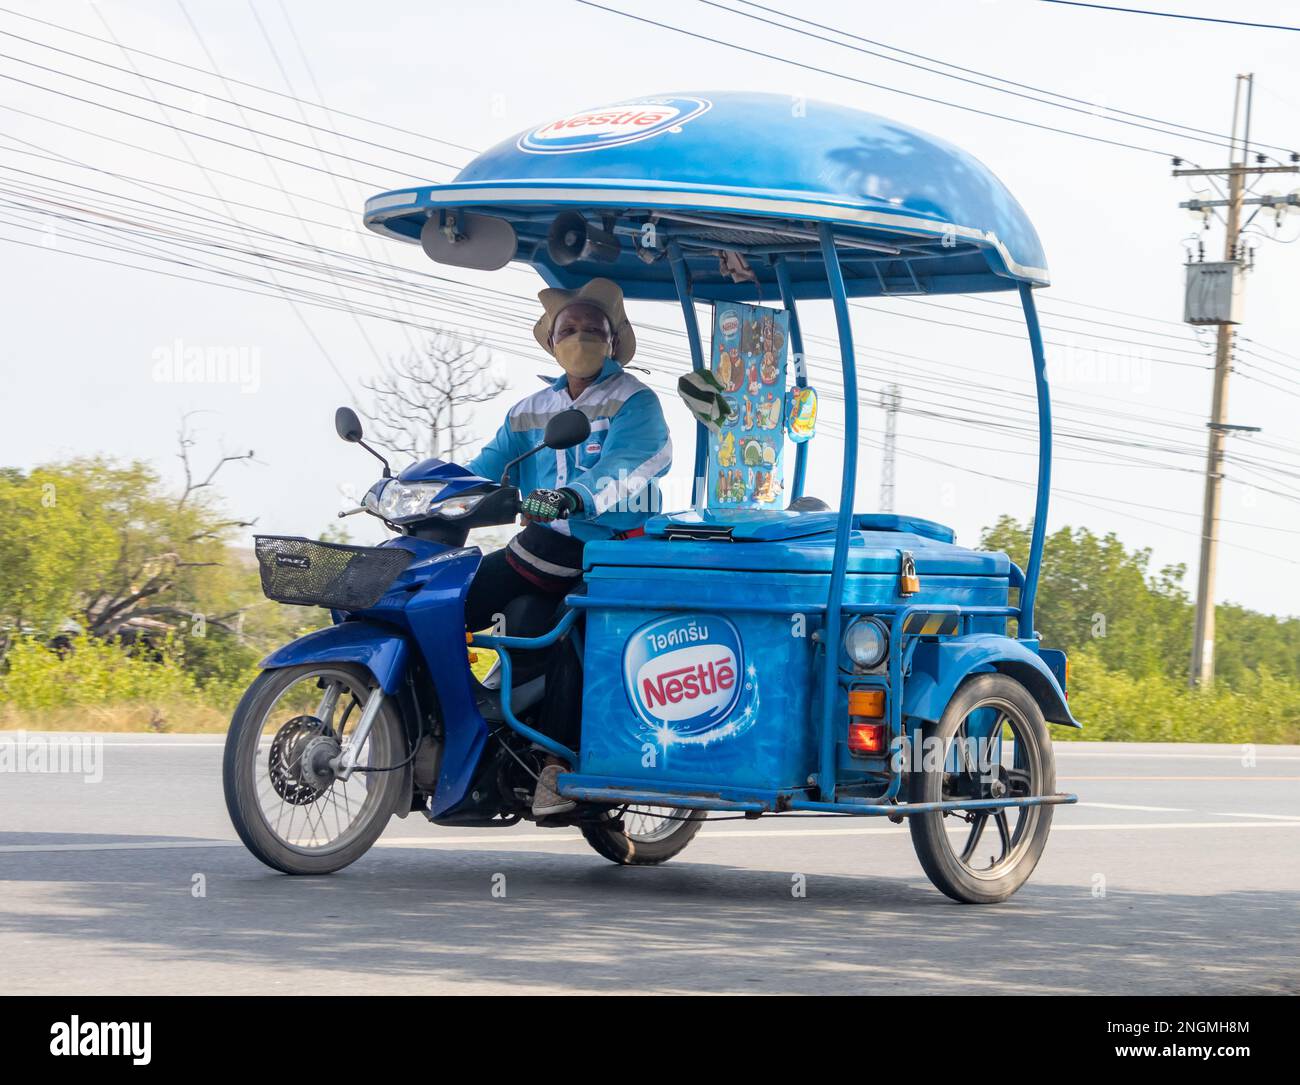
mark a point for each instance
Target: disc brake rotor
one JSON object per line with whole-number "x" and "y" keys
{"x": 291, "y": 773}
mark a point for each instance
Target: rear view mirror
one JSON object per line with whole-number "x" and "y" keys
{"x": 567, "y": 429}
{"x": 348, "y": 425}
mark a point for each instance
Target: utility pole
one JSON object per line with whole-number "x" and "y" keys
{"x": 890, "y": 398}
{"x": 1214, "y": 294}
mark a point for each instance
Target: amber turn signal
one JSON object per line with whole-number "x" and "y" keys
{"x": 867, "y": 702}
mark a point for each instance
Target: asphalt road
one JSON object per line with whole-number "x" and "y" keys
{"x": 1179, "y": 872}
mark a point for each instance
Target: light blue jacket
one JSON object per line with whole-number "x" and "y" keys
{"x": 614, "y": 470}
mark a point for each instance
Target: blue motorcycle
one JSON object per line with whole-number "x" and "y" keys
{"x": 380, "y": 713}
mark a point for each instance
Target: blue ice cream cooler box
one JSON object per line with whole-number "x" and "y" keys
{"x": 700, "y": 641}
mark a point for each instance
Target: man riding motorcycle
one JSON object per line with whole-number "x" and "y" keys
{"x": 604, "y": 488}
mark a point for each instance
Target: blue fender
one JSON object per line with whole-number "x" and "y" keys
{"x": 939, "y": 667}
{"x": 383, "y": 650}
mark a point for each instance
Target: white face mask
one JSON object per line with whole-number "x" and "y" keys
{"x": 582, "y": 354}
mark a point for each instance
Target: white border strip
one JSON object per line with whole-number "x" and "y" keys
{"x": 790, "y": 207}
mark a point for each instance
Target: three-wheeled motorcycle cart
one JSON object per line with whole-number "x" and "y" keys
{"x": 761, "y": 652}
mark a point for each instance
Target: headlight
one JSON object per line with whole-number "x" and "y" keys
{"x": 456, "y": 507}
{"x": 866, "y": 643}
{"x": 399, "y": 501}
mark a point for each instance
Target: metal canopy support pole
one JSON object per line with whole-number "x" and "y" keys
{"x": 844, "y": 525}
{"x": 1025, "y": 626}
{"x": 682, "y": 279}
{"x": 800, "y": 367}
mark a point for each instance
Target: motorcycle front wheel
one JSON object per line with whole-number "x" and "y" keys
{"x": 290, "y": 811}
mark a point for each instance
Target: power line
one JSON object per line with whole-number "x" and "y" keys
{"x": 237, "y": 82}
{"x": 334, "y": 176}
{"x": 1092, "y": 108}
{"x": 176, "y": 127}
{"x": 930, "y": 304}
{"x": 1214, "y": 140}
{"x": 368, "y": 312}
{"x": 320, "y": 104}
{"x": 868, "y": 83}
{"x": 1085, "y": 499}
{"x": 1171, "y": 15}
{"x": 367, "y": 238}
{"x": 188, "y": 238}
{"x": 311, "y": 332}
{"x": 159, "y": 154}
{"x": 195, "y": 113}
{"x": 1049, "y": 342}
{"x": 316, "y": 248}
{"x": 375, "y": 315}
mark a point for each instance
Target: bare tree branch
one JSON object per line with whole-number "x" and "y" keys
{"x": 417, "y": 398}
{"x": 187, "y": 441}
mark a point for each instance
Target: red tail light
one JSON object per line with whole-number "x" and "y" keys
{"x": 866, "y": 737}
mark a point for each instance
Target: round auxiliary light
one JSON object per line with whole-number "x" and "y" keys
{"x": 866, "y": 643}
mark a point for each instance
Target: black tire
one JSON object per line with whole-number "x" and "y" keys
{"x": 628, "y": 847}
{"x": 383, "y": 790}
{"x": 1034, "y": 773}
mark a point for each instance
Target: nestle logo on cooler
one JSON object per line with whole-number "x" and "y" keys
{"x": 684, "y": 670}
{"x": 612, "y": 126}
{"x": 689, "y": 682}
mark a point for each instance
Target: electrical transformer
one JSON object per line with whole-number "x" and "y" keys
{"x": 1213, "y": 293}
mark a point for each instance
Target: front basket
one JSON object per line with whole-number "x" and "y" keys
{"x": 321, "y": 574}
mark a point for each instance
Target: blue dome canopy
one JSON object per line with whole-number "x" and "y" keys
{"x": 737, "y": 179}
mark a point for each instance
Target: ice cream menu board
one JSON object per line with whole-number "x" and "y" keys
{"x": 746, "y": 456}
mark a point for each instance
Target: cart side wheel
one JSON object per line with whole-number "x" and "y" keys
{"x": 991, "y": 741}
{"x": 642, "y": 835}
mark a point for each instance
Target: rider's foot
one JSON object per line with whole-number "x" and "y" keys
{"x": 546, "y": 800}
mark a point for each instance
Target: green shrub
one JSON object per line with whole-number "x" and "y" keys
{"x": 91, "y": 672}
{"x": 1120, "y": 707}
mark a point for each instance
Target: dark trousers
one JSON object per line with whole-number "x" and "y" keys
{"x": 496, "y": 584}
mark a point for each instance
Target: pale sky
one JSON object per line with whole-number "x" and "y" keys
{"x": 86, "y": 345}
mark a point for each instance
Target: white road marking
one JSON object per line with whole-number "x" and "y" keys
{"x": 1199, "y": 779}
{"x": 1278, "y": 817}
{"x": 1121, "y": 806}
{"x": 172, "y": 745}
{"x": 1182, "y": 825}
{"x": 530, "y": 842}
{"x": 144, "y": 845}
{"x": 1060, "y": 748}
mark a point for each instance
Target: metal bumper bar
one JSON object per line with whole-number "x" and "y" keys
{"x": 616, "y": 791}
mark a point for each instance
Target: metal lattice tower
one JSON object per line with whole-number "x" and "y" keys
{"x": 890, "y": 398}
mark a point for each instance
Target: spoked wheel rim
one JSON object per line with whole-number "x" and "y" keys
{"x": 992, "y": 754}
{"x": 647, "y": 824}
{"x": 299, "y": 801}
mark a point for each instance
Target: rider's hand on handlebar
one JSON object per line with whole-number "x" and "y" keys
{"x": 545, "y": 505}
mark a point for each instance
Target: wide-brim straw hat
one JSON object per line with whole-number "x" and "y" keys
{"x": 606, "y": 295}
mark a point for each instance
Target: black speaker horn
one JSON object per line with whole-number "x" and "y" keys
{"x": 571, "y": 238}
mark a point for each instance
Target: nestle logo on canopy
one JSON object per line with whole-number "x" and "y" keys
{"x": 612, "y": 126}
{"x": 685, "y": 671}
